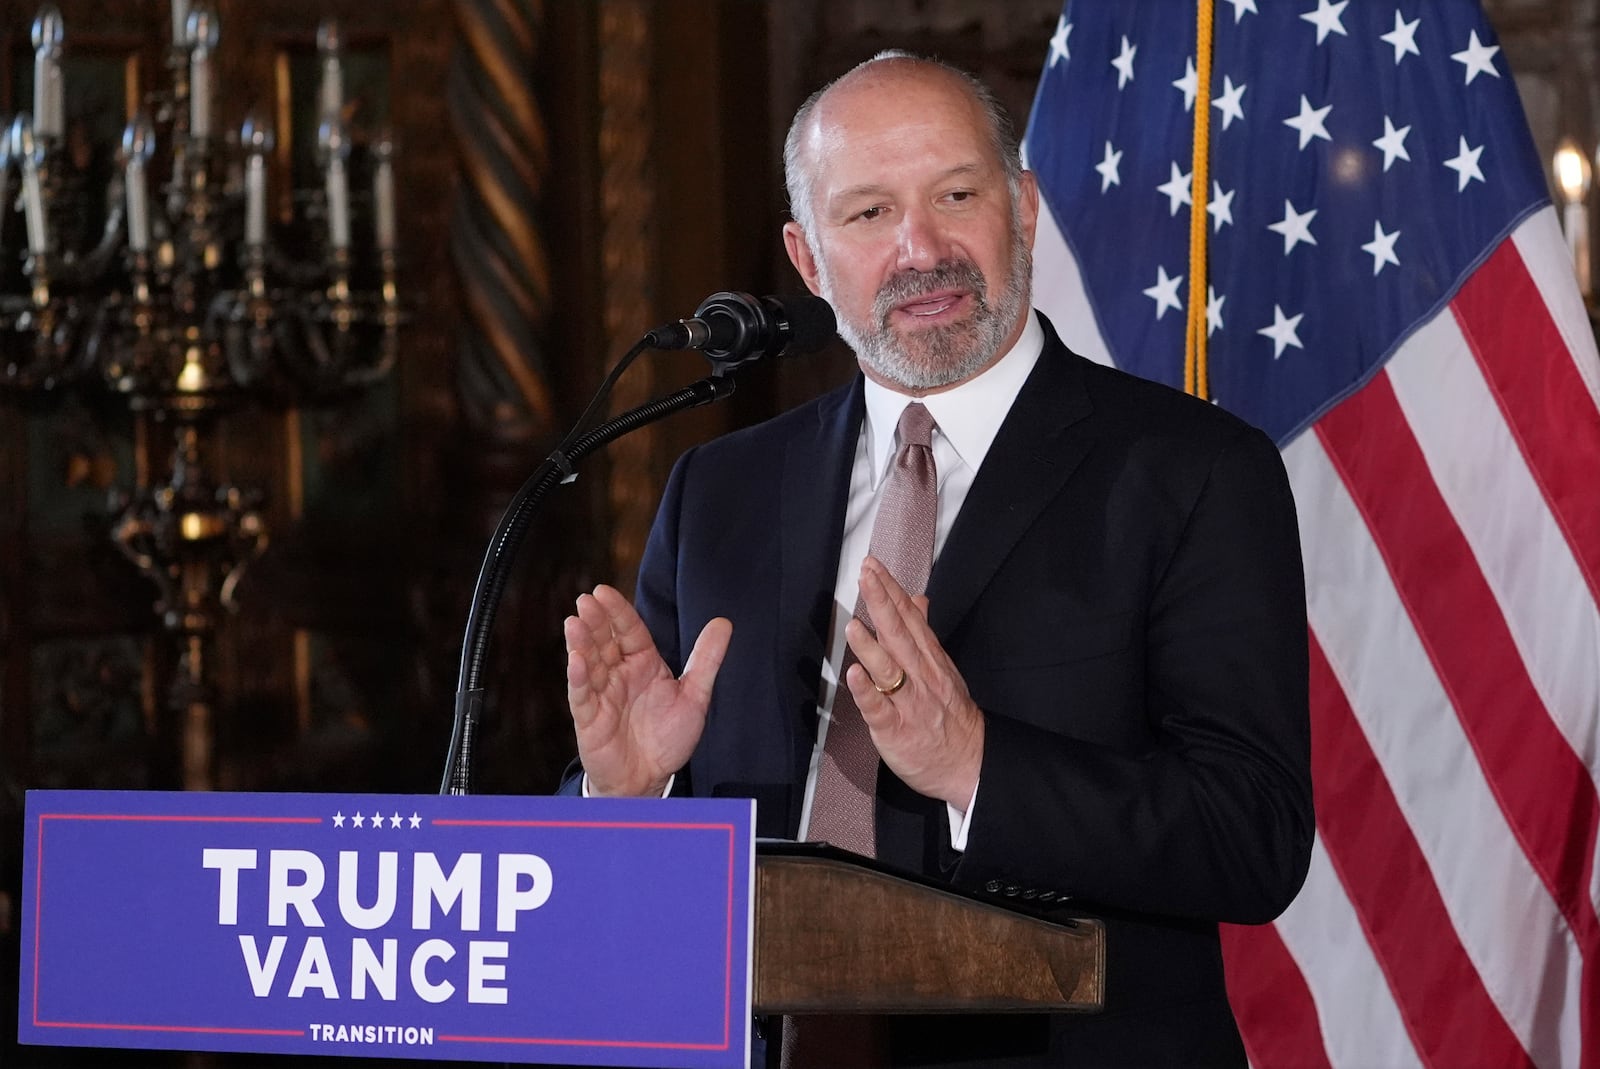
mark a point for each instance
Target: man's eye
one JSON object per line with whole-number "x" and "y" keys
{"x": 872, "y": 213}
{"x": 960, "y": 195}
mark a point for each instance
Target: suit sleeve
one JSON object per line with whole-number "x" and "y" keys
{"x": 1213, "y": 820}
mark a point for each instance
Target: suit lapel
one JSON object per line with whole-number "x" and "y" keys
{"x": 1031, "y": 458}
{"x": 816, "y": 483}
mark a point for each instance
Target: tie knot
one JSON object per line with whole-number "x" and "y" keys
{"x": 916, "y": 425}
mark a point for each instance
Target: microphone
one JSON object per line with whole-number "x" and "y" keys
{"x": 735, "y": 328}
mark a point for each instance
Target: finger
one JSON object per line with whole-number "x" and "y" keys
{"x": 879, "y": 713}
{"x": 893, "y": 616}
{"x": 700, "y": 670}
{"x": 601, "y": 644}
{"x": 631, "y": 634}
{"x": 878, "y": 664}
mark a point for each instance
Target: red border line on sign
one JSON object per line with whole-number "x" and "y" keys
{"x": 520, "y": 1040}
{"x": 173, "y": 1028}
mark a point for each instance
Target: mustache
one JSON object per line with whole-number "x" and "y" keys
{"x": 910, "y": 284}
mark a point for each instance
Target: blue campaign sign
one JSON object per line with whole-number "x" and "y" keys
{"x": 488, "y": 928}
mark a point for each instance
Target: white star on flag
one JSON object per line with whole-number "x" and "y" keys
{"x": 1189, "y": 83}
{"x": 1124, "y": 62}
{"x": 1240, "y": 7}
{"x": 1328, "y": 18}
{"x": 1213, "y": 310}
{"x": 1228, "y": 102}
{"x": 1058, "y": 43}
{"x": 1221, "y": 206}
{"x": 1465, "y": 165}
{"x": 1381, "y": 248}
{"x": 1108, "y": 169}
{"x": 1477, "y": 58}
{"x": 1393, "y": 143}
{"x": 1294, "y": 226}
{"x": 1309, "y": 123}
{"x": 1176, "y": 188}
{"x": 1403, "y": 37}
{"x": 1165, "y": 292}
{"x": 1283, "y": 331}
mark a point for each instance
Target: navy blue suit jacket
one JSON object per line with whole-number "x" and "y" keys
{"x": 1122, "y": 592}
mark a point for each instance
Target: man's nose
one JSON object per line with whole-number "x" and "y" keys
{"x": 921, "y": 241}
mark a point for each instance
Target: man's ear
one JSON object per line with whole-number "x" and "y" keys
{"x": 794, "y": 243}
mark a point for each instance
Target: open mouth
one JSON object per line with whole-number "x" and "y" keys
{"x": 933, "y": 307}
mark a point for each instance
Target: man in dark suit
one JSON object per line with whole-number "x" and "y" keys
{"x": 1102, "y": 697}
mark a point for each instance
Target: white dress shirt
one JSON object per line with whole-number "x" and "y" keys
{"x": 967, "y": 418}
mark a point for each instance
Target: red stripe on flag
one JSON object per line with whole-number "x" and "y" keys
{"x": 1276, "y": 1013}
{"x": 1450, "y": 1016}
{"x": 1546, "y": 404}
{"x": 1538, "y": 780}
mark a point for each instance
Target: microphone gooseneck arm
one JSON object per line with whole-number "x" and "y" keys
{"x": 497, "y": 560}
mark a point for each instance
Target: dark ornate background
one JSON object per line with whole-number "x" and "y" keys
{"x": 570, "y": 173}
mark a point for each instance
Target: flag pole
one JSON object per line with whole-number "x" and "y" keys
{"x": 1196, "y": 378}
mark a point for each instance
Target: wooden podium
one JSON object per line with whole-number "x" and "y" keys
{"x": 836, "y": 933}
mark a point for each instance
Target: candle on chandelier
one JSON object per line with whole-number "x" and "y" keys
{"x": 1573, "y": 175}
{"x": 330, "y": 96}
{"x": 138, "y": 145}
{"x": 335, "y": 151}
{"x": 48, "y": 100}
{"x": 257, "y": 141}
{"x": 203, "y": 35}
{"x": 180, "y": 23}
{"x": 30, "y": 152}
{"x": 383, "y": 195}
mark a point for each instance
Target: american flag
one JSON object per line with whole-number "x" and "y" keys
{"x": 1390, "y": 297}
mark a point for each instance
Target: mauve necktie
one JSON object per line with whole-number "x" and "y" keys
{"x": 902, "y": 538}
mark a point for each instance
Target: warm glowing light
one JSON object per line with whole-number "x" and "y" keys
{"x": 1572, "y": 172}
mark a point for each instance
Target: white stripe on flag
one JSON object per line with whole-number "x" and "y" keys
{"x": 1324, "y": 936}
{"x": 1545, "y": 254}
{"x": 1508, "y": 924}
{"x": 1059, "y": 293}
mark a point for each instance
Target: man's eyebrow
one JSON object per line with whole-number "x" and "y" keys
{"x": 873, "y": 189}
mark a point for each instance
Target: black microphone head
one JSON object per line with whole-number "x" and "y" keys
{"x": 744, "y": 328}
{"x": 811, "y": 322}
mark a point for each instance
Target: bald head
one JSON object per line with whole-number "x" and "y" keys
{"x": 888, "y": 73}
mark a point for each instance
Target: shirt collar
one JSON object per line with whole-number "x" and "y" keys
{"x": 968, "y": 415}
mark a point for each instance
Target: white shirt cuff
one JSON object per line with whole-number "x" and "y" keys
{"x": 665, "y": 793}
{"x": 959, "y": 821}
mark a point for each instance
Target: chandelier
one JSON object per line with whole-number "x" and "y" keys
{"x": 187, "y": 307}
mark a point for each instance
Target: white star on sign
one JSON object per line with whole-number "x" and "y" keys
{"x": 1477, "y": 58}
{"x": 1165, "y": 292}
{"x": 1124, "y": 62}
{"x": 1228, "y": 102}
{"x": 1294, "y": 226}
{"x": 1465, "y": 165}
{"x": 1327, "y": 18}
{"x": 338, "y": 820}
{"x": 1283, "y": 331}
{"x": 1392, "y": 143}
{"x": 1213, "y": 311}
{"x": 1403, "y": 37}
{"x": 416, "y": 821}
{"x": 1240, "y": 7}
{"x": 1176, "y": 188}
{"x": 1309, "y": 123}
{"x": 1108, "y": 169}
{"x": 358, "y": 820}
{"x": 394, "y": 820}
{"x": 377, "y": 820}
{"x": 1058, "y": 43}
{"x": 1221, "y": 206}
{"x": 1189, "y": 83}
{"x": 1381, "y": 248}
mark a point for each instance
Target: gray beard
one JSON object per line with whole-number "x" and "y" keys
{"x": 938, "y": 356}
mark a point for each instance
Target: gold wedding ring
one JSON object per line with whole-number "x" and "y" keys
{"x": 892, "y": 687}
